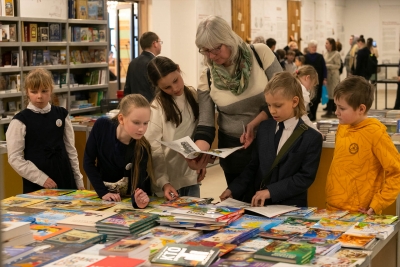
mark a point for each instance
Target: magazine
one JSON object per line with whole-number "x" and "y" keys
{"x": 186, "y": 147}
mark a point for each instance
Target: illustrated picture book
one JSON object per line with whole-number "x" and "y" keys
{"x": 43, "y": 232}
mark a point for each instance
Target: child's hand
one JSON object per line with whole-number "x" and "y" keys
{"x": 201, "y": 174}
{"x": 112, "y": 197}
{"x": 141, "y": 198}
{"x": 370, "y": 211}
{"x": 260, "y": 197}
{"x": 50, "y": 184}
{"x": 169, "y": 192}
{"x": 226, "y": 194}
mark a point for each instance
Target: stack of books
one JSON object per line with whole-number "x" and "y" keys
{"x": 85, "y": 221}
{"x": 126, "y": 223}
{"x": 16, "y": 233}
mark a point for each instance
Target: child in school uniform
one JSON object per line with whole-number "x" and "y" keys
{"x": 293, "y": 174}
{"x": 174, "y": 115}
{"x": 117, "y": 150}
{"x": 365, "y": 170}
{"x": 40, "y": 140}
{"x": 308, "y": 78}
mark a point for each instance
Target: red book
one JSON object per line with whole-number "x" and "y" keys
{"x": 112, "y": 261}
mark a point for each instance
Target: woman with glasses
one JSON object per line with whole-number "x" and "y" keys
{"x": 234, "y": 83}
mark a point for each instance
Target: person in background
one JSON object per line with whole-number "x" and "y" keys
{"x": 364, "y": 175}
{"x": 235, "y": 86}
{"x": 271, "y": 43}
{"x": 317, "y": 61}
{"x": 351, "y": 55}
{"x": 174, "y": 115}
{"x": 281, "y": 55}
{"x": 373, "y": 50}
{"x": 397, "y": 102}
{"x": 299, "y": 61}
{"x": 116, "y": 148}
{"x": 361, "y": 62}
{"x": 294, "y": 47}
{"x": 308, "y": 78}
{"x": 259, "y": 40}
{"x": 137, "y": 81}
{"x": 289, "y": 62}
{"x": 288, "y": 182}
{"x": 332, "y": 61}
{"x": 40, "y": 140}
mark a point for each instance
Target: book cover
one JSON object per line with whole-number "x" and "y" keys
{"x": 13, "y": 32}
{"x": 85, "y": 221}
{"x": 76, "y": 34}
{"x": 55, "y": 58}
{"x": 19, "y": 202}
{"x": 39, "y": 57}
{"x": 283, "y": 251}
{"x": 128, "y": 219}
{"x": 171, "y": 234}
{"x": 77, "y": 237}
{"x": 17, "y": 218}
{"x": 225, "y": 235}
{"x": 33, "y": 32}
{"x": 9, "y": 8}
{"x": 381, "y": 219}
{"x": 208, "y": 212}
{"x": 51, "y": 217}
{"x": 333, "y": 261}
{"x": 322, "y": 246}
{"x": 355, "y": 241}
{"x": 95, "y": 35}
{"x": 186, "y": 255}
{"x": 5, "y": 32}
{"x": 10, "y": 230}
{"x": 224, "y": 248}
{"x": 43, "y": 232}
{"x": 44, "y": 34}
{"x": 86, "y": 58}
{"x": 76, "y": 260}
{"x": 187, "y": 148}
{"x": 93, "y": 7}
{"x": 253, "y": 244}
{"x": 27, "y": 211}
{"x": 86, "y": 205}
{"x": 333, "y": 225}
{"x": 14, "y": 253}
{"x": 51, "y": 203}
{"x": 82, "y": 194}
{"x": 322, "y": 234}
{"x": 381, "y": 231}
{"x": 55, "y": 32}
{"x": 278, "y": 234}
{"x": 181, "y": 201}
{"x": 46, "y": 57}
{"x": 63, "y": 57}
{"x": 102, "y": 35}
{"x": 353, "y": 217}
{"x": 352, "y": 253}
{"x": 84, "y": 34}
{"x": 302, "y": 212}
{"x": 128, "y": 248}
{"x": 81, "y": 9}
{"x": 239, "y": 263}
{"x": 15, "y": 62}
{"x": 271, "y": 210}
{"x": 117, "y": 261}
{"x": 327, "y": 214}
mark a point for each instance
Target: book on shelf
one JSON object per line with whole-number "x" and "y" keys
{"x": 43, "y": 232}
{"x": 77, "y": 237}
{"x": 55, "y": 34}
{"x": 72, "y": 9}
{"x": 84, "y": 34}
{"x": 283, "y": 251}
{"x": 381, "y": 231}
{"x": 185, "y": 255}
{"x": 13, "y": 32}
{"x": 93, "y": 7}
{"x": 5, "y": 32}
{"x": 13, "y": 253}
{"x": 89, "y": 34}
{"x": 43, "y": 34}
{"x": 95, "y": 35}
{"x": 33, "y": 32}
{"x": 15, "y": 58}
{"x": 81, "y": 9}
{"x": 187, "y": 148}
{"x": 10, "y": 230}
{"x": 102, "y": 35}
{"x": 8, "y": 8}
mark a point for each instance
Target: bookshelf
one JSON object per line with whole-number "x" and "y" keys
{"x": 78, "y": 79}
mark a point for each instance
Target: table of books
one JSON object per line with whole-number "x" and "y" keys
{"x": 56, "y": 227}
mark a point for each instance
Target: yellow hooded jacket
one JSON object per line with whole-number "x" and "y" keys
{"x": 365, "y": 170}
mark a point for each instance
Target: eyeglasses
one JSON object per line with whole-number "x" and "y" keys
{"x": 214, "y": 51}
{"x": 161, "y": 42}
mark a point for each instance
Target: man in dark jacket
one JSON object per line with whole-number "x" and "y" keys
{"x": 136, "y": 78}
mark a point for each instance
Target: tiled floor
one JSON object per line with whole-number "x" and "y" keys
{"x": 214, "y": 183}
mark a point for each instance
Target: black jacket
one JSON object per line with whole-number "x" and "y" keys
{"x": 362, "y": 63}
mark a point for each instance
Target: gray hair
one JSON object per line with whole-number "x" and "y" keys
{"x": 259, "y": 39}
{"x": 213, "y": 31}
{"x": 313, "y": 42}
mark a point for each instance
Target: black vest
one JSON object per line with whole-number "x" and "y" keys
{"x": 44, "y": 147}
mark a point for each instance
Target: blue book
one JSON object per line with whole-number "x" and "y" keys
{"x": 252, "y": 221}
{"x": 51, "y": 217}
{"x": 17, "y": 218}
{"x": 55, "y": 32}
{"x": 14, "y": 253}
{"x": 93, "y": 7}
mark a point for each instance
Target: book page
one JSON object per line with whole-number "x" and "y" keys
{"x": 272, "y": 210}
{"x": 230, "y": 202}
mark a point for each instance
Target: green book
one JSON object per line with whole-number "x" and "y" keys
{"x": 282, "y": 251}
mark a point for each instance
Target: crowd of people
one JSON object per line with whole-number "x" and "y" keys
{"x": 260, "y": 107}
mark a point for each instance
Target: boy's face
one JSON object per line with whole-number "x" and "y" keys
{"x": 290, "y": 58}
{"x": 347, "y": 115}
{"x": 281, "y": 107}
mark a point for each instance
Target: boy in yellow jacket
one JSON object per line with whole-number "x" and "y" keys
{"x": 365, "y": 171}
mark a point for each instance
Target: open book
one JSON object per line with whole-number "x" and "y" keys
{"x": 188, "y": 148}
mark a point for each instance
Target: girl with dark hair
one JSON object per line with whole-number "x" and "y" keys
{"x": 174, "y": 115}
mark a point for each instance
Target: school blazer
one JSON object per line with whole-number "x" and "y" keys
{"x": 291, "y": 177}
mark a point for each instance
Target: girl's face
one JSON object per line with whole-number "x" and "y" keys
{"x": 307, "y": 82}
{"x": 297, "y": 62}
{"x": 222, "y": 57}
{"x": 39, "y": 97}
{"x": 328, "y": 45}
{"x": 172, "y": 84}
{"x": 136, "y": 122}
{"x": 281, "y": 107}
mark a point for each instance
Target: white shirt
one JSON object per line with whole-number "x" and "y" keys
{"x": 290, "y": 125}
{"x": 15, "y": 137}
{"x": 305, "y": 118}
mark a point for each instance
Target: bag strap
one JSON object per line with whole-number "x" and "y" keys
{"x": 285, "y": 148}
{"x": 255, "y": 54}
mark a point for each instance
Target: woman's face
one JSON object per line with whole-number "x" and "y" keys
{"x": 328, "y": 45}
{"x": 312, "y": 48}
{"x": 222, "y": 57}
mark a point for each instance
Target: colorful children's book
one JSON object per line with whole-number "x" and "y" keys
{"x": 51, "y": 217}
{"x": 128, "y": 248}
{"x": 53, "y": 203}
{"x": 381, "y": 219}
{"x": 227, "y": 235}
{"x": 332, "y": 225}
{"x": 27, "y": 211}
{"x": 17, "y": 218}
{"x": 381, "y": 231}
{"x": 327, "y": 214}
{"x": 223, "y": 247}
{"x": 322, "y": 234}
{"x": 239, "y": 263}
{"x": 172, "y": 234}
{"x": 85, "y": 221}
{"x": 14, "y": 253}
{"x": 117, "y": 261}
{"x": 77, "y": 237}
{"x": 51, "y": 192}
{"x": 321, "y": 261}
{"x": 278, "y": 234}
{"x": 283, "y": 251}
{"x": 19, "y": 202}
{"x": 254, "y": 244}
{"x": 208, "y": 212}
{"x": 43, "y": 232}
{"x": 87, "y": 205}
{"x": 181, "y": 201}
{"x": 251, "y": 221}
{"x": 127, "y": 219}
{"x": 185, "y": 255}
{"x": 322, "y": 247}
{"x": 356, "y": 241}
{"x": 352, "y": 253}
{"x": 353, "y": 217}
{"x": 82, "y": 194}
{"x": 76, "y": 260}
{"x": 300, "y": 213}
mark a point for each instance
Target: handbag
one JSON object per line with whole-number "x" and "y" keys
{"x": 324, "y": 96}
